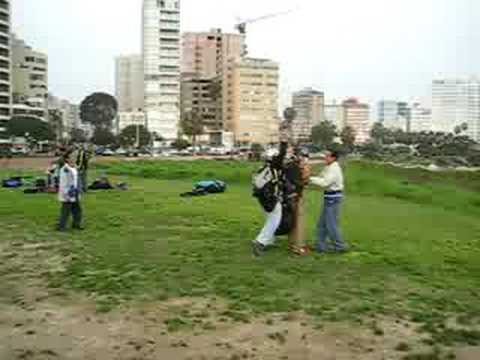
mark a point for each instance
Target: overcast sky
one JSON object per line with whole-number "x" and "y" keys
{"x": 371, "y": 48}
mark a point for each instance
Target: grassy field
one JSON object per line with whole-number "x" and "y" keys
{"x": 416, "y": 235}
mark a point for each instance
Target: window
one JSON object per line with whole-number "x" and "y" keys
{"x": 29, "y": 59}
{"x": 35, "y": 77}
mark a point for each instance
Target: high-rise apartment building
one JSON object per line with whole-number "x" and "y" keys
{"x": 210, "y": 56}
{"x": 161, "y": 60}
{"x": 69, "y": 112}
{"x": 420, "y": 119}
{"x": 207, "y": 53}
{"x": 198, "y": 97}
{"x": 29, "y": 80}
{"x": 455, "y": 102}
{"x": 129, "y": 83}
{"x": 29, "y": 74}
{"x": 310, "y": 107}
{"x": 357, "y": 116}
{"x": 255, "y": 101}
{"x": 5, "y": 63}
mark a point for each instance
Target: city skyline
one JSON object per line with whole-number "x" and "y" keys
{"x": 375, "y": 50}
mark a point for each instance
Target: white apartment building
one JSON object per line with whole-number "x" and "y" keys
{"x": 70, "y": 115}
{"x": 5, "y": 63}
{"x": 161, "y": 60}
{"x": 387, "y": 111}
{"x": 125, "y": 119}
{"x": 357, "y": 116}
{"x": 454, "y": 102}
{"x": 421, "y": 118}
{"x": 29, "y": 75}
{"x": 309, "y": 105}
{"x": 129, "y": 89}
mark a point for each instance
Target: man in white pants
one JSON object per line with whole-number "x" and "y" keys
{"x": 267, "y": 234}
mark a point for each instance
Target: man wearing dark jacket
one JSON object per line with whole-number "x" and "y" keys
{"x": 83, "y": 157}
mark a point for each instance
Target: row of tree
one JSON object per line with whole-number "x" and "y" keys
{"x": 325, "y": 134}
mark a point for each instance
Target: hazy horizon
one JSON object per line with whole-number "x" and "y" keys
{"x": 372, "y": 49}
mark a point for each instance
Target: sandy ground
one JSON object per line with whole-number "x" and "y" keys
{"x": 41, "y": 323}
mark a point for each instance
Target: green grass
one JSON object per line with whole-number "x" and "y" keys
{"x": 417, "y": 237}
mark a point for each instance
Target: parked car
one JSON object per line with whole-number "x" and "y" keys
{"x": 18, "y": 151}
{"x": 121, "y": 152}
{"x": 107, "y": 152}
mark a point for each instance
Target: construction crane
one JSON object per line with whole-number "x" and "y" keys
{"x": 242, "y": 26}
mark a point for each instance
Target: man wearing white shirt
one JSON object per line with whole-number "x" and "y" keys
{"x": 331, "y": 180}
{"x": 69, "y": 196}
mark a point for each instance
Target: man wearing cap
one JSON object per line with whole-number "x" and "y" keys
{"x": 331, "y": 180}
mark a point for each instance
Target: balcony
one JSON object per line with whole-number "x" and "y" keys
{"x": 4, "y": 5}
{"x": 5, "y": 18}
{"x": 5, "y": 29}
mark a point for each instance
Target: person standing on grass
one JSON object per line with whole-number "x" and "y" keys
{"x": 83, "y": 158}
{"x": 297, "y": 177}
{"x": 331, "y": 180}
{"x": 69, "y": 196}
{"x": 271, "y": 202}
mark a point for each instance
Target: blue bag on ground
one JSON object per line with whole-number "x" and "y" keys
{"x": 206, "y": 187}
{"x": 12, "y": 183}
{"x": 211, "y": 186}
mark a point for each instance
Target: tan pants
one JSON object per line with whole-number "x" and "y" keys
{"x": 296, "y": 237}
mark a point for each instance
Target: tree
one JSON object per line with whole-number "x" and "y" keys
{"x": 99, "y": 109}
{"x": 348, "y": 137}
{"x": 31, "y": 127}
{"x": 180, "y": 144}
{"x": 324, "y": 133}
{"x": 103, "y": 137}
{"x": 78, "y": 136}
{"x": 379, "y": 133}
{"x": 256, "y": 151}
{"x": 129, "y": 136}
{"x": 192, "y": 126}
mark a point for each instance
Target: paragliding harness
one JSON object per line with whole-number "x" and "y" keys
{"x": 266, "y": 189}
{"x": 291, "y": 185}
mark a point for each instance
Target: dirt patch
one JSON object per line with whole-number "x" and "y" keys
{"x": 41, "y": 323}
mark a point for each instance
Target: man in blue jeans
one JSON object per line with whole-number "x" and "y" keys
{"x": 331, "y": 180}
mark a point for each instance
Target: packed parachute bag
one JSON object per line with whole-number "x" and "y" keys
{"x": 292, "y": 184}
{"x": 288, "y": 219}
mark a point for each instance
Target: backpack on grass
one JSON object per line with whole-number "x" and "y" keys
{"x": 211, "y": 187}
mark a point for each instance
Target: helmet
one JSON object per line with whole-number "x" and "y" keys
{"x": 270, "y": 154}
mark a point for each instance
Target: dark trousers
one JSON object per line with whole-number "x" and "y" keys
{"x": 68, "y": 208}
{"x": 83, "y": 180}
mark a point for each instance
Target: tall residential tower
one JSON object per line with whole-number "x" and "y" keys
{"x": 310, "y": 107}
{"x": 161, "y": 60}
{"x": 456, "y": 102}
{"x": 129, "y": 83}
{"x": 5, "y": 54}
